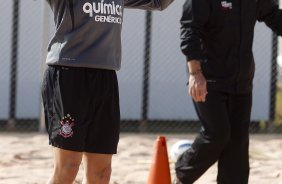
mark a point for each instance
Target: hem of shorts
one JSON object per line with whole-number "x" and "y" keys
{"x": 83, "y": 150}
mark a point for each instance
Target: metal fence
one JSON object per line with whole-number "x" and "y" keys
{"x": 153, "y": 93}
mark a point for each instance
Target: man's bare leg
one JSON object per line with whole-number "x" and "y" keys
{"x": 66, "y": 166}
{"x": 97, "y": 168}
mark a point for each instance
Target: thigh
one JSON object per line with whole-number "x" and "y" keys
{"x": 240, "y": 106}
{"x": 103, "y": 131}
{"x": 47, "y": 92}
{"x": 213, "y": 114}
{"x": 67, "y": 123}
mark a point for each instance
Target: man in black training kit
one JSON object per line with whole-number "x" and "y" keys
{"x": 80, "y": 88}
{"x": 217, "y": 38}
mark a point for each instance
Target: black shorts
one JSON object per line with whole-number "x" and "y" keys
{"x": 81, "y": 108}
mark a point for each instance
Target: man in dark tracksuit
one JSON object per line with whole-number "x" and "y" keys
{"x": 217, "y": 38}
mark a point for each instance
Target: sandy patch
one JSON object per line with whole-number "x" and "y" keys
{"x": 27, "y": 159}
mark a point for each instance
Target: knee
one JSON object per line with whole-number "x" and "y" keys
{"x": 65, "y": 174}
{"x": 106, "y": 174}
{"x": 70, "y": 168}
{"x": 219, "y": 138}
{"x": 100, "y": 175}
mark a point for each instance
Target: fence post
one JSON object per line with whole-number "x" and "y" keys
{"x": 146, "y": 71}
{"x": 45, "y": 40}
{"x": 13, "y": 67}
{"x": 273, "y": 82}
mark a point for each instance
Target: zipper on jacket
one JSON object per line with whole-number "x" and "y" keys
{"x": 71, "y": 13}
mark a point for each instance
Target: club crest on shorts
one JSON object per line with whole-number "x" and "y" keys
{"x": 66, "y": 126}
{"x": 226, "y": 5}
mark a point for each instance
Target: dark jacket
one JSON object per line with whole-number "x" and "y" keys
{"x": 88, "y": 32}
{"x": 220, "y": 34}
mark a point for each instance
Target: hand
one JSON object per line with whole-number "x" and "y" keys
{"x": 198, "y": 87}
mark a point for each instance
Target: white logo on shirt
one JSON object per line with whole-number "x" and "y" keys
{"x": 226, "y": 5}
{"x": 104, "y": 12}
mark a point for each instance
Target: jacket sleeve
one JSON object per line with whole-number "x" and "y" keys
{"x": 148, "y": 4}
{"x": 194, "y": 18}
{"x": 268, "y": 12}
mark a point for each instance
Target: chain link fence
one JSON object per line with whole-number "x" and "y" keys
{"x": 153, "y": 94}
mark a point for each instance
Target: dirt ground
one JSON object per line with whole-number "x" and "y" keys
{"x": 27, "y": 159}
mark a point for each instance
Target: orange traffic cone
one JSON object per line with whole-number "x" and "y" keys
{"x": 159, "y": 171}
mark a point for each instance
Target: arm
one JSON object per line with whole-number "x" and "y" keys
{"x": 194, "y": 18}
{"x": 148, "y": 4}
{"x": 268, "y": 12}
